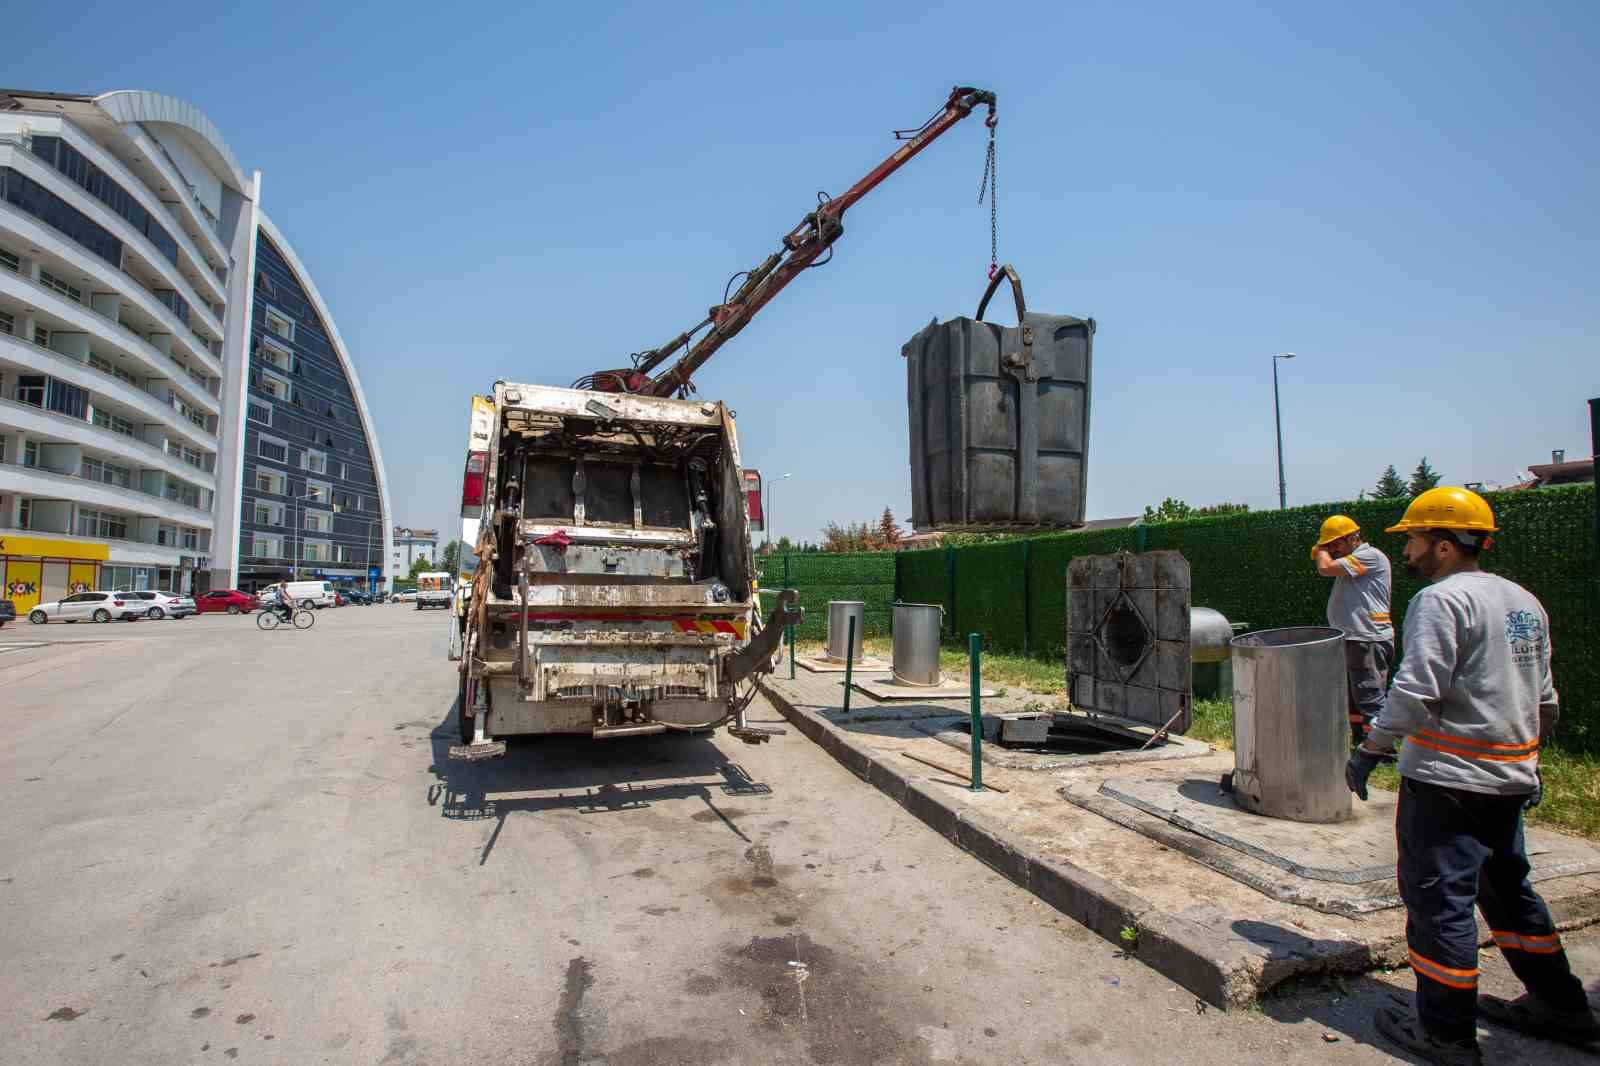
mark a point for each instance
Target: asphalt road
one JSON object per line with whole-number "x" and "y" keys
{"x": 225, "y": 845}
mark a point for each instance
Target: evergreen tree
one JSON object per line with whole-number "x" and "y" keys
{"x": 888, "y": 529}
{"x": 1389, "y": 486}
{"x": 1423, "y": 478}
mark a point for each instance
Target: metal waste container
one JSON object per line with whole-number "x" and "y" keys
{"x": 916, "y": 643}
{"x": 839, "y": 613}
{"x": 1291, "y": 730}
{"x": 999, "y": 419}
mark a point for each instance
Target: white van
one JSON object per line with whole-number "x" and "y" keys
{"x": 311, "y": 593}
{"x": 434, "y": 590}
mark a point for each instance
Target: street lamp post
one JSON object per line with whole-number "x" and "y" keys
{"x": 1277, "y": 419}
{"x": 766, "y": 506}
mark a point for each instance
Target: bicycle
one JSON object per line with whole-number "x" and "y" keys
{"x": 303, "y": 618}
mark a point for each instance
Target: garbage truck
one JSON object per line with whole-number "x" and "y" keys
{"x": 615, "y": 591}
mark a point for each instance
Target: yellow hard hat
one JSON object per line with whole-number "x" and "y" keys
{"x": 1448, "y": 507}
{"x": 1336, "y": 526}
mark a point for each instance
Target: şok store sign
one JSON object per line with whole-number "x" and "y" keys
{"x": 36, "y": 570}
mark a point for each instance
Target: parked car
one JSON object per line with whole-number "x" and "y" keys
{"x": 229, "y": 601}
{"x": 357, "y": 597}
{"x": 158, "y": 605}
{"x": 404, "y": 597}
{"x": 8, "y": 612}
{"x": 88, "y": 607}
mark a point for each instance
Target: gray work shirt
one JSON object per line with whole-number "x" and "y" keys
{"x": 1359, "y": 602}
{"x": 1473, "y": 696}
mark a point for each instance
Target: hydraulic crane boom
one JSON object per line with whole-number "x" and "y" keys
{"x": 802, "y": 246}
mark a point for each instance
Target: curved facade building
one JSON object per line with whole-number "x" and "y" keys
{"x": 134, "y": 256}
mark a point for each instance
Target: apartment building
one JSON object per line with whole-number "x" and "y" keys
{"x": 130, "y": 308}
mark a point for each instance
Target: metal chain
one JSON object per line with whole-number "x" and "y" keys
{"x": 991, "y": 185}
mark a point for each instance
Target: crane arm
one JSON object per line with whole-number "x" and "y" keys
{"x": 802, "y": 247}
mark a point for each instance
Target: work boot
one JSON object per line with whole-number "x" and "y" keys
{"x": 1405, "y": 1029}
{"x": 1531, "y": 1015}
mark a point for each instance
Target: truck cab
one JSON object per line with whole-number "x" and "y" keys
{"x": 615, "y": 593}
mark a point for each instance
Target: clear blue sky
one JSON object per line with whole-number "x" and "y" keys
{"x": 1405, "y": 195}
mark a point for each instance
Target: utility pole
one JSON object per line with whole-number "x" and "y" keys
{"x": 1277, "y": 419}
{"x": 1594, "y": 455}
{"x": 766, "y": 507}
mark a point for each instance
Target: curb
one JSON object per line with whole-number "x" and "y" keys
{"x": 1221, "y": 973}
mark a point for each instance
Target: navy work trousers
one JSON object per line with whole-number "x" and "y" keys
{"x": 1457, "y": 849}
{"x": 1366, "y": 668}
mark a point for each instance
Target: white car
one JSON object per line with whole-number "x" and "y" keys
{"x": 404, "y": 597}
{"x": 158, "y": 605}
{"x": 88, "y": 607}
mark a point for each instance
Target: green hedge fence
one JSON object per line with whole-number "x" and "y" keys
{"x": 1254, "y": 567}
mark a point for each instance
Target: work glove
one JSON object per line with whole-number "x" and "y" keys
{"x": 1535, "y": 797}
{"x": 1358, "y": 769}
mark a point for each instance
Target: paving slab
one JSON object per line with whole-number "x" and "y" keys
{"x": 821, "y": 664}
{"x": 885, "y": 687}
{"x": 1223, "y": 937}
{"x": 953, "y": 732}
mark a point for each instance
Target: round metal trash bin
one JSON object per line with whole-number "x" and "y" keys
{"x": 916, "y": 643}
{"x": 1291, "y": 731}
{"x": 839, "y": 612}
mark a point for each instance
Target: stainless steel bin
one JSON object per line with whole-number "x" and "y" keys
{"x": 839, "y": 613}
{"x": 1291, "y": 731}
{"x": 916, "y": 643}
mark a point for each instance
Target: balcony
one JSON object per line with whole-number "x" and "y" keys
{"x": 32, "y": 481}
{"x": 104, "y": 442}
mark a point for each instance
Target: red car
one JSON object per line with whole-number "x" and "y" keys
{"x": 230, "y": 601}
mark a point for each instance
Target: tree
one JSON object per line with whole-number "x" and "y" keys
{"x": 419, "y": 565}
{"x": 1389, "y": 486}
{"x": 1423, "y": 478}
{"x": 1221, "y": 508}
{"x": 855, "y": 537}
{"x": 450, "y": 558}
{"x": 888, "y": 529}
{"x": 1170, "y": 511}
{"x": 785, "y": 546}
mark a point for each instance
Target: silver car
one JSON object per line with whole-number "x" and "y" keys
{"x": 158, "y": 605}
{"x": 88, "y": 607}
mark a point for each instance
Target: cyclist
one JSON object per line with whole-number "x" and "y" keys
{"x": 285, "y": 606}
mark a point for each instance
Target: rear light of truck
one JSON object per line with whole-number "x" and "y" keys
{"x": 472, "y": 480}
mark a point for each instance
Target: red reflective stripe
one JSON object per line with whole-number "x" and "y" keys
{"x": 1448, "y": 976}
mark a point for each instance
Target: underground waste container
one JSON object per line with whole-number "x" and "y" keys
{"x": 839, "y": 614}
{"x": 1291, "y": 727}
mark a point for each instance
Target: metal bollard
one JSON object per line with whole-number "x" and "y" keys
{"x": 849, "y": 660}
{"x": 974, "y": 652}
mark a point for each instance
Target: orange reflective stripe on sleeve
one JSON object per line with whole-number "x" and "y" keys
{"x": 1534, "y": 943}
{"x": 1448, "y": 976}
{"x": 1353, "y": 565}
{"x": 1381, "y": 617}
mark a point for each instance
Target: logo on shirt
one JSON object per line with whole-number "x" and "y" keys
{"x": 1525, "y": 634}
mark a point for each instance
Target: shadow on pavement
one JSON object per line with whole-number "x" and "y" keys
{"x": 582, "y": 774}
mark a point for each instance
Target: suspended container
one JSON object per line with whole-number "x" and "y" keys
{"x": 1291, "y": 731}
{"x": 839, "y": 614}
{"x": 999, "y": 419}
{"x": 916, "y": 643}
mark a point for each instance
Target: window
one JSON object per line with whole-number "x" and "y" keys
{"x": 22, "y": 191}
{"x": 187, "y": 495}
{"x": 273, "y": 386}
{"x": 115, "y": 423}
{"x": 318, "y": 492}
{"x": 272, "y": 482}
{"x": 268, "y": 514}
{"x": 167, "y": 536}
{"x": 25, "y": 514}
{"x": 41, "y": 336}
{"x": 275, "y": 355}
{"x": 30, "y": 453}
{"x": 318, "y": 521}
{"x": 107, "y": 472}
{"x": 279, "y": 323}
{"x": 10, "y": 261}
{"x": 2, "y": 457}
{"x": 261, "y": 412}
{"x": 317, "y": 551}
{"x": 50, "y": 281}
{"x": 267, "y": 547}
{"x": 66, "y": 399}
{"x": 30, "y": 389}
{"x": 203, "y": 380}
{"x": 316, "y": 462}
{"x": 276, "y": 450}
{"x": 101, "y": 524}
{"x": 194, "y": 457}
{"x": 191, "y": 539}
{"x": 7, "y": 323}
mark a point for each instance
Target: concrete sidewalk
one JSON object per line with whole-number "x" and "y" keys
{"x": 1222, "y": 939}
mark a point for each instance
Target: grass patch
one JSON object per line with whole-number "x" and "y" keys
{"x": 1571, "y": 782}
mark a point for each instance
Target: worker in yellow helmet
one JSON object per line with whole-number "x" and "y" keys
{"x": 1359, "y": 605}
{"x": 1475, "y": 700}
